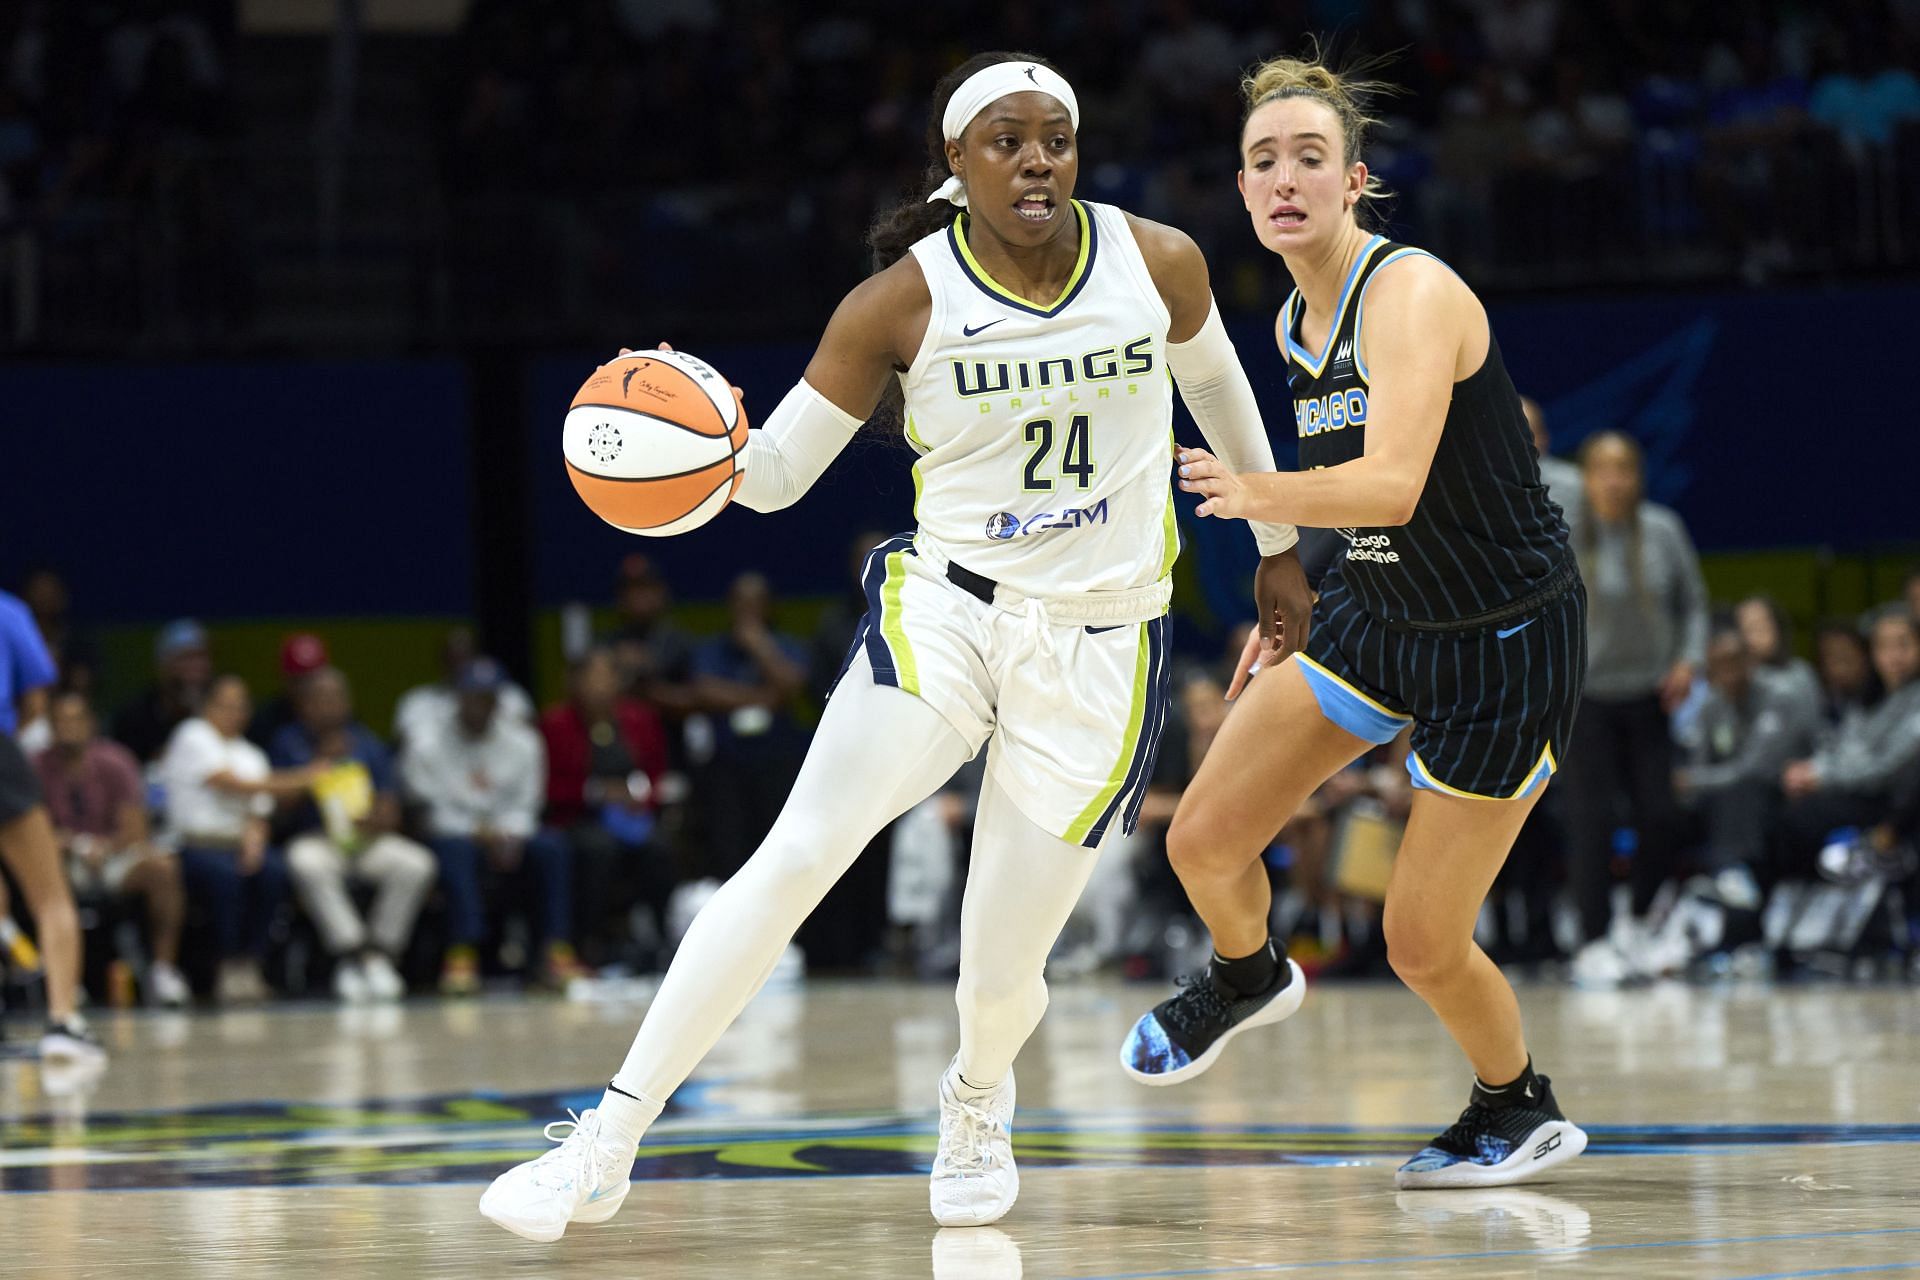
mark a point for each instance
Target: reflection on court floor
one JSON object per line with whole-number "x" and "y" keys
{"x": 1737, "y": 1132}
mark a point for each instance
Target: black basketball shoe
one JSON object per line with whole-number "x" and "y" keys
{"x": 1181, "y": 1037}
{"x": 1497, "y": 1141}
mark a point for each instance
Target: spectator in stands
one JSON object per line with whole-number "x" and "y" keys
{"x": 481, "y": 776}
{"x": 1188, "y": 56}
{"x": 1847, "y": 683}
{"x": 606, "y": 762}
{"x": 432, "y": 706}
{"x": 1887, "y": 849}
{"x": 98, "y": 803}
{"x": 654, "y": 655}
{"x": 1910, "y": 592}
{"x": 1561, "y": 477}
{"x": 183, "y": 667}
{"x": 1746, "y": 732}
{"x": 1768, "y": 635}
{"x": 73, "y": 650}
{"x": 347, "y": 830}
{"x": 1646, "y": 637}
{"x": 1866, "y": 99}
{"x": 220, "y": 791}
{"x": 301, "y": 654}
{"x": 746, "y": 681}
{"x": 1850, "y": 780}
{"x": 1754, "y": 137}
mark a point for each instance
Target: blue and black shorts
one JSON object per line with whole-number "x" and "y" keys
{"x": 1491, "y": 700}
{"x": 19, "y": 788}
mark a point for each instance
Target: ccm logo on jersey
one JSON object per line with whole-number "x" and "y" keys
{"x": 1004, "y": 524}
{"x": 1331, "y": 412}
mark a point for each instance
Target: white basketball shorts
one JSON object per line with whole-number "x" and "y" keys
{"x": 1074, "y": 703}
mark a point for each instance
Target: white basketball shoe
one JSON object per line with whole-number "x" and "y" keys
{"x": 974, "y": 1180}
{"x": 584, "y": 1179}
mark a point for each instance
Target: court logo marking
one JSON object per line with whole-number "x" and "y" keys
{"x": 469, "y": 1139}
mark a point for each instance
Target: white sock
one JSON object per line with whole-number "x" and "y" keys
{"x": 624, "y": 1120}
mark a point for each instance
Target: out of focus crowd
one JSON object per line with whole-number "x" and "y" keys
{"x": 172, "y": 174}
{"x": 1742, "y": 792}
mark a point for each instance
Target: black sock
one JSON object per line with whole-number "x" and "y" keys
{"x": 1249, "y": 975}
{"x": 1522, "y": 1090}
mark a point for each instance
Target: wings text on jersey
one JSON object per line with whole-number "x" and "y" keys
{"x": 996, "y": 377}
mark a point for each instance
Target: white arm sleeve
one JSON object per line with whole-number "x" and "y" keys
{"x": 1220, "y": 398}
{"x": 804, "y": 433}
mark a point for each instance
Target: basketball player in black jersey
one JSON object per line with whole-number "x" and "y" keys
{"x": 1457, "y": 614}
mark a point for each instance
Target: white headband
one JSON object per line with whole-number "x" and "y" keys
{"x": 989, "y": 85}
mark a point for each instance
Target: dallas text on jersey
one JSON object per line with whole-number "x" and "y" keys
{"x": 1105, "y": 366}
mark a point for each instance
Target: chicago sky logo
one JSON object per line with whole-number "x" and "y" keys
{"x": 1003, "y": 525}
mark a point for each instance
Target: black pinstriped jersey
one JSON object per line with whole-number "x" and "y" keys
{"x": 1484, "y": 532}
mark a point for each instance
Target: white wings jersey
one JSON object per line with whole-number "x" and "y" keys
{"x": 1044, "y": 433}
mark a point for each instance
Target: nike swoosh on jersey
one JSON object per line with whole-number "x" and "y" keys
{"x": 1514, "y": 631}
{"x": 967, "y": 331}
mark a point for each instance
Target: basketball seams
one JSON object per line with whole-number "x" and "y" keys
{"x": 605, "y": 440}
{"x": 713, "y": 387}
{"x": 668, "y": 526}
{"x": 642, "y": 413}
{"x": 721, "y": 397}
{"x": 653, "y": 501}
{"x": 671, "y": 475}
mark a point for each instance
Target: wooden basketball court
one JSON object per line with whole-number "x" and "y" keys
{"x": 1737, "y": 1132}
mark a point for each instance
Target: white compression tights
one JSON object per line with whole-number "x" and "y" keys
{"x": 877, "y": 753}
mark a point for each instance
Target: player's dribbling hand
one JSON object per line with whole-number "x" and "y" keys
{"x": 1202, "y": 473}
{"x": 738, "y": 394}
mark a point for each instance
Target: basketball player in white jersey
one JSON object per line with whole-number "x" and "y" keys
{"x": 1031, "y": 336}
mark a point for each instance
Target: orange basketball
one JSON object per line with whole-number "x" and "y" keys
{"x": 653, "y": 442}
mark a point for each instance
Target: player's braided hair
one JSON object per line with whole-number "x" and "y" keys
{"x": 913, "y": 219}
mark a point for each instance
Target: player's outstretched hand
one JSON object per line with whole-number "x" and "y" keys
{"x": 1224, "y": 491}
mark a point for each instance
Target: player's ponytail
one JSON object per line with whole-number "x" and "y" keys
{"x": 914, "y": 218}
{"x": 1347, "y": 92}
